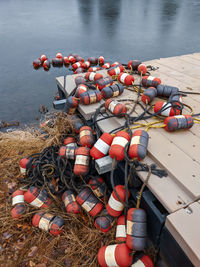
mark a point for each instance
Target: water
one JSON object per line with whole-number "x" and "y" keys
{"x": 117, "y": 29}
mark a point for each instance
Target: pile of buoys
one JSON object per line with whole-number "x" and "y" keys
{"x": 82, "y": 189}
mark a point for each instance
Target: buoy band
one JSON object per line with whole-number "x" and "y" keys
{"x": 115, "y": 204}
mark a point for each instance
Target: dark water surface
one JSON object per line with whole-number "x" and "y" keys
{"x": 117, "y": 29}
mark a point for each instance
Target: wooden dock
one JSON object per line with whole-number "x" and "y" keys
{"x": 178, "y": 153}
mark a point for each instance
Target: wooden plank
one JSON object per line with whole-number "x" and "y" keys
{"x": 177, "y": 163}
{"x": 189, "y": 59}
{"x": 169, "y": 191}
{"x": 184, "y": 227}
{"x": 192, "y": 100}
{"x": 166, "y": 189}
{"x": 195, "y": 56}
{"x": 179, "y": 65}
{"x": 181, "y": 76}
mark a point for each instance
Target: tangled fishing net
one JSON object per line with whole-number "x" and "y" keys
{"x": 21, "y": 244}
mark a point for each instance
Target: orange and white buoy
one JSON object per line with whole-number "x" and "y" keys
{"x": 118, "y": 255}
{"x": 115, "y": 206}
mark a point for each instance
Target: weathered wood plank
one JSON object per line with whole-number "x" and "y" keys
{"x": 189, "y": 59}
{"x": 166, "y": 189}
{"x": 188, "y": 69}
{"x": 184, "y": 226}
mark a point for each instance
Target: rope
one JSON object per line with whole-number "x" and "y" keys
{"x": 143, "y": 186}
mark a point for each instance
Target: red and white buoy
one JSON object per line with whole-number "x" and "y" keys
{"x": 82, "y": 160}
{"x": 117, "y": 147}
{"x": 142, "y": 69}
{"x": 92, "y": 76}
{"x": 48, "y": 222}
{"x": 89, "y": 202}
{"x": 102, "y": 146}
{"x": 86, "y": 137}
{"x": 125, "y": 78}
{"x": 115, "y": 206}
{"x": 18, "y": 204}
{"x": 101, "y": 60}
{"x": 118, "y": 255}
{"x": 70, "y": 202}
{"x": 59, "y": 55}
{"x": 37, "y": 197}
{"x": 121, "y": 229}
{"x": 24, "y": 165}
{"x": 43, "y": 58}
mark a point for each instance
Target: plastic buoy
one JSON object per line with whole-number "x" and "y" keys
{"x": 59, "y": 55}
{"x": 168, "y": 109}
{"x": 43, "y": 58}
{"x": 24, "y": 164}
{"x": 82, "y": 159}
{"x": 77, "y": 65}
{"x": 72, "y": 59}
{"x": 112, "y": 90}
{"x": 86, "y": 137}
{"x": 115, "y": 107}
{"x": 18, "y": 203}
{"x": 104, "y": 222}
{"x": 70, "y": 142}
{"x": 79, "y": 59}
{"x": 150, "y": 81}
{"x": 178, "y": 122}
{"x": 79, "y": 80}
{"x": 115, "y": 70}
{"x": 90, "y": 97}
{"x": 106, "y": 65}
{"x": 149, "y": 94}
{"x": 134, "y": 64}
{"x": 121, "y": 229}
{"x": 37, "y": 197}
{"x": 93, "y": 69}
{"x": 125, "y": 78}
{"x": 93, "y": 60}
{"x": 86, "y": 64}
{"x": 79, "y": 70}
{"x": 46, "y": 65}
{"x": 48, "y": 222}
{"x": 57, "y": 62}
{"x": 98, "y": 186}
{"x": 70, "y": 202}
{"x": 115, "y": 206}
{"x": 70, "y": 105}
{"x": 166, "y": 90}
{"x": 118, "y": 255}
{"x": 89, "y": 202}
{"x": 102, "y": 146}
{"x": 103, "y": 82}
{"x": 136, "y": 229}
{"x": 142, "y": 69}
{"x": 101, "y": 60}
{"x": 138, "y": 145}
{"x": 92, "y": 76}
{"x": 67, "y": 152}
{"x": 66, "y": 61}
{"x": 115, "y": 64}
{"x": 117, "y": 147}
{"x": 37, "y": 63}
{"x": 77, "y": 123}
{"x": 82, "y": 88}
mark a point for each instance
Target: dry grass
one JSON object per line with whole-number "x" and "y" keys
{"x": 80, "y": 241}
